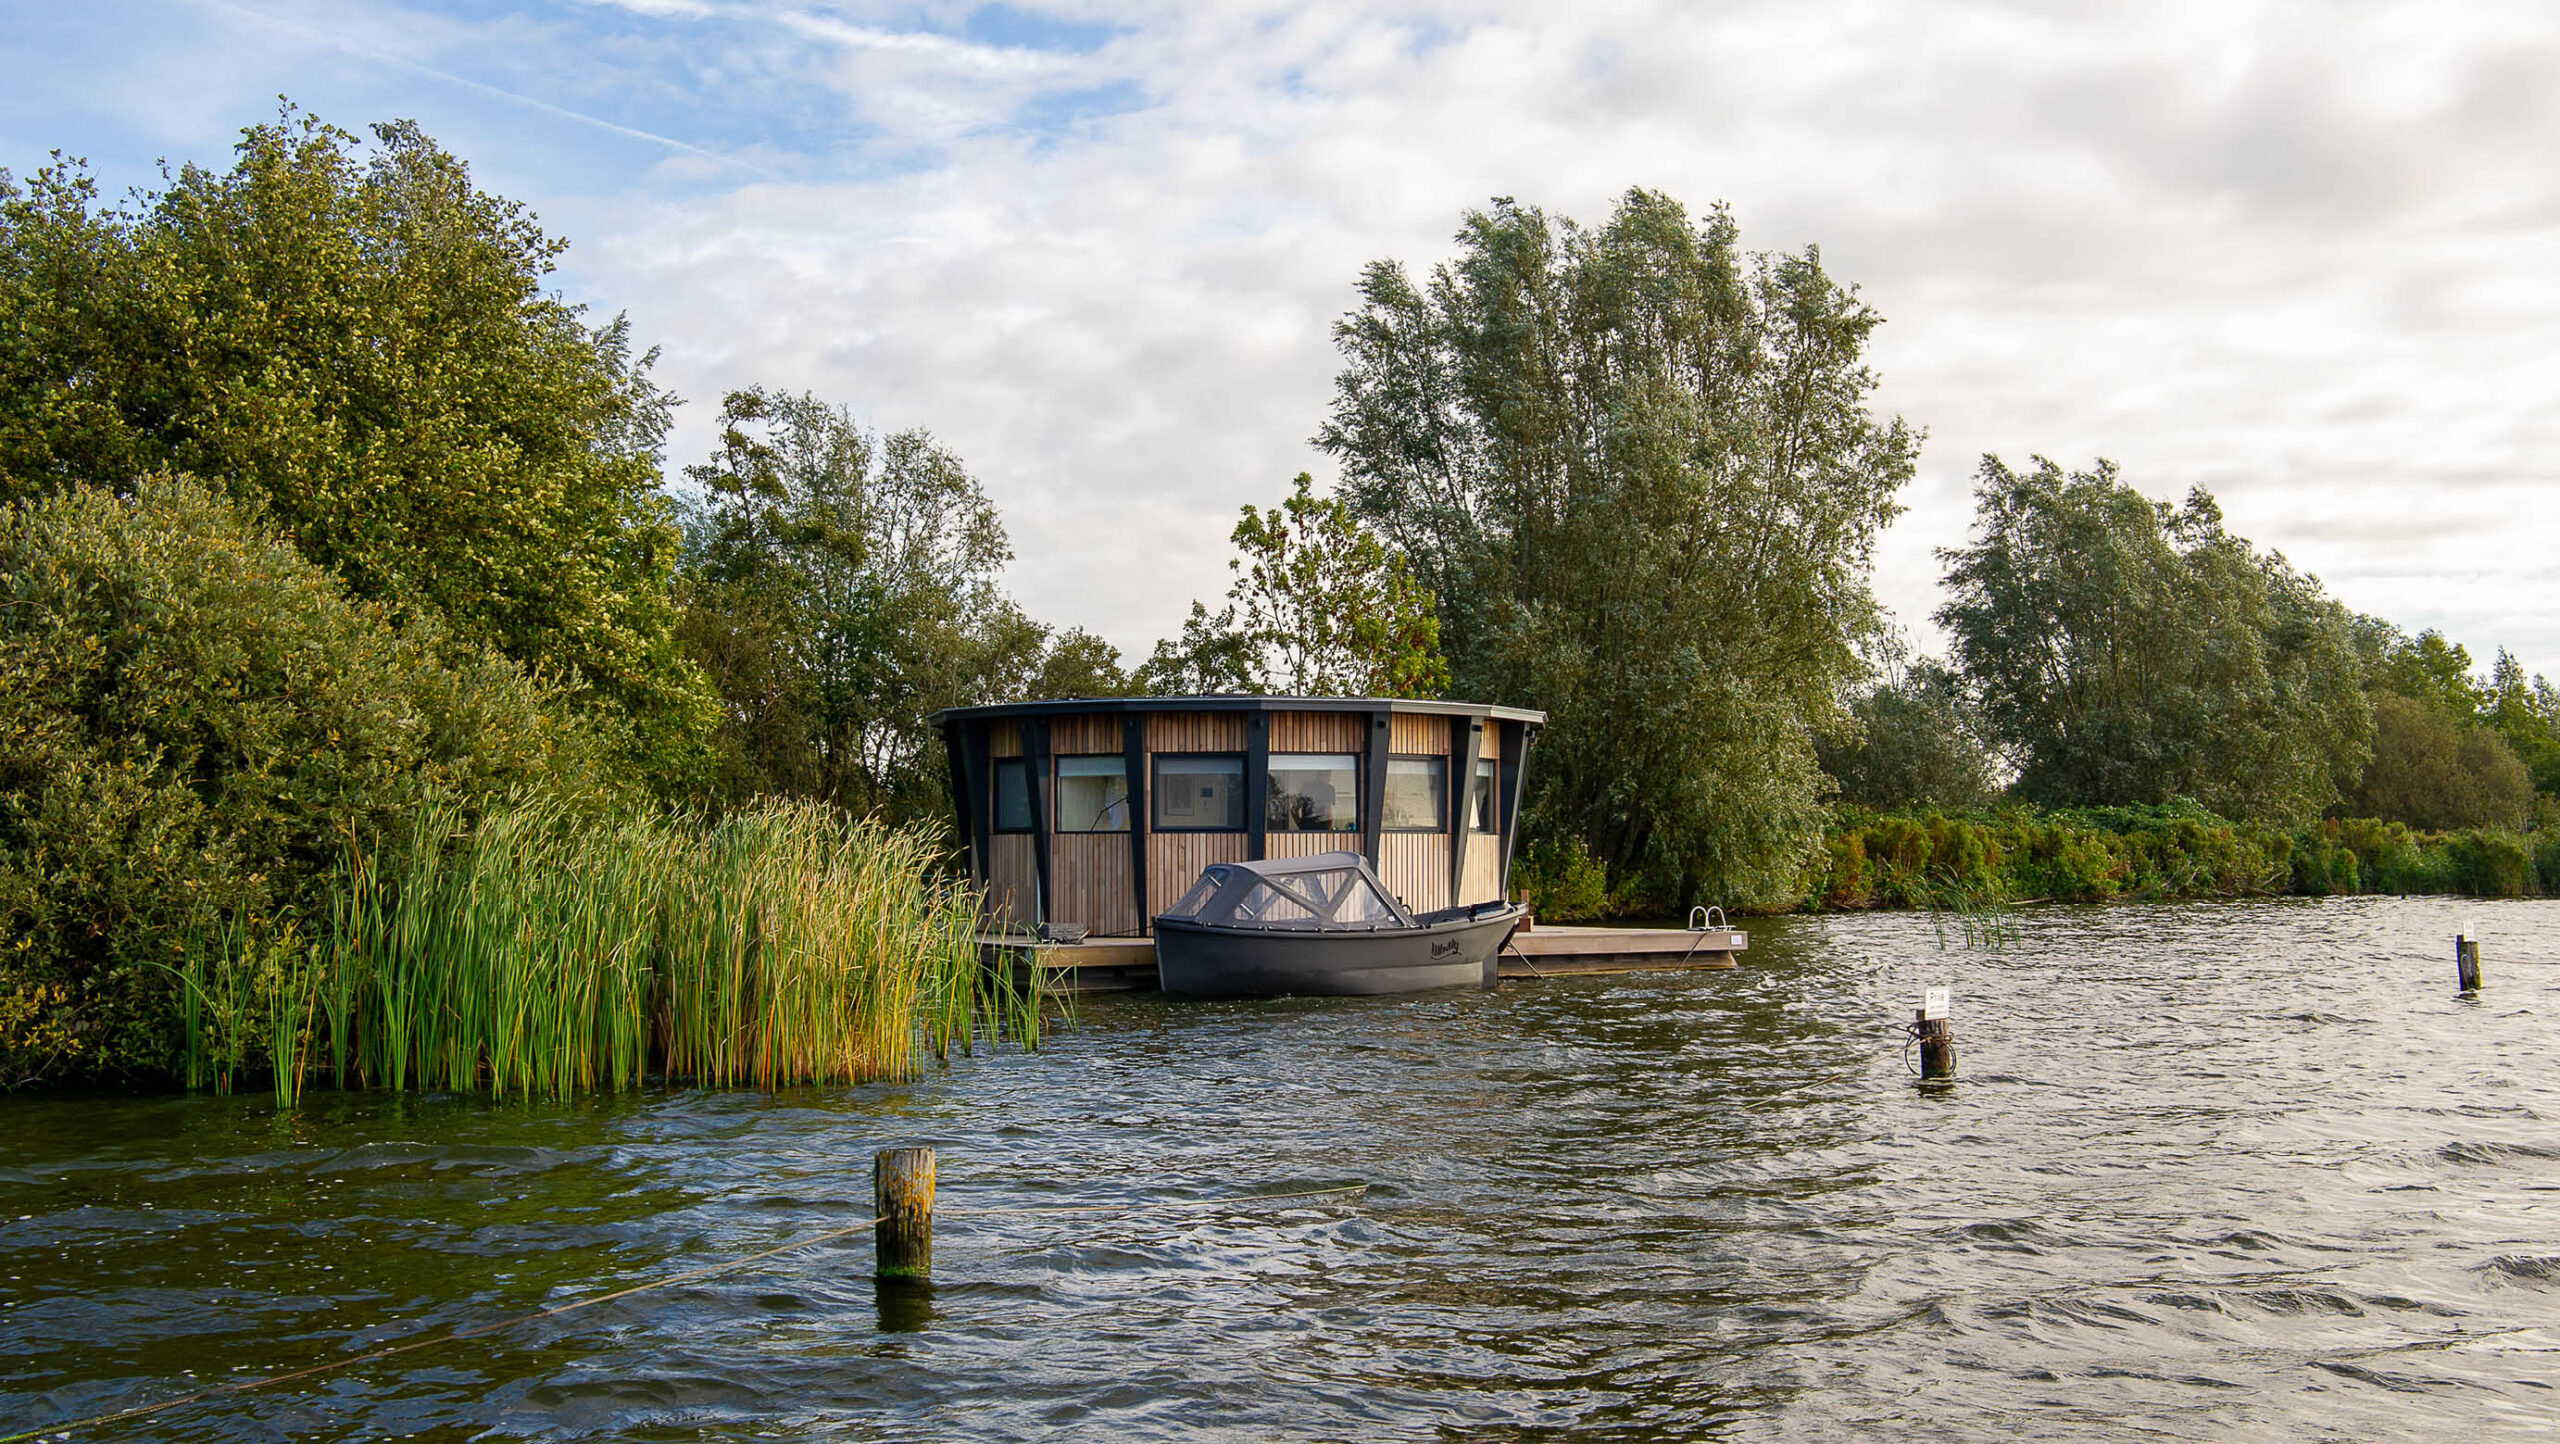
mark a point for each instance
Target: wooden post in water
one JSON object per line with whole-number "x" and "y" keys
{"x": 1937, "y": 1034}
{"x": 2466, "y": 960}
{"x": 902, "y": 1194}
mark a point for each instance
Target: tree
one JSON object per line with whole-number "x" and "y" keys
{"x": 2433, "y": 769}
{"x": 841, "y": 588}
{"x": 2526, "y": 716}
{"x": 1320, "y": 608}
{"x": 1916, "y": 741}
{"x": 360, "y": 342}
{"x": 196, "y": 724}
{"x": 2125, "y": 651}
{"x": 1637, "y": 468}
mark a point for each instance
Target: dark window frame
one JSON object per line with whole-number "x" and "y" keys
{"x": 995, "y": 797}
{"x": 1438, "y": 829}
{"x": 1489, "y": 773}
{"x": 1359, "y": 795}
{"x": 1156, "y": 791}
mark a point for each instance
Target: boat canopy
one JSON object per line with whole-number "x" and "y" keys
{"x": 1329, "y": 892}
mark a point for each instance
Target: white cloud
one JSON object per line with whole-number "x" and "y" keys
{"x": 2299, "y": 255}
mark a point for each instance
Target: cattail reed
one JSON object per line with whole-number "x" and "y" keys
{"x": 543, "y": 950}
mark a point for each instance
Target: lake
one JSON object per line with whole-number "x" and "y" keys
{"x": 2242, "y": 1171}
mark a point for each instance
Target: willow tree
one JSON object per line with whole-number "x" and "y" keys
{"x": 2128, "y": 651}
{"x": 1639, "y": 468}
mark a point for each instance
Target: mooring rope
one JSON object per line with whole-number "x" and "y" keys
{"x": 692, "y": 1276}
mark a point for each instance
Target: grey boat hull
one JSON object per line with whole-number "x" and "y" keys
{"x": 1279, "y": 962}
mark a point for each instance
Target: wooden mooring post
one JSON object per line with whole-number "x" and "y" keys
{"x": 902, "y": 1194}
{"x": 2466, "y": 959}
{"x": 1937, "y": 1034}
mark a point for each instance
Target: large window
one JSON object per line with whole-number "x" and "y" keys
{"x": 1417, "y": 794}
{"x": 1013, "y": 795}
{"x": 1313, "y": 792}
{"x": 1480, "y": 810}
{"x": 1199, "y": 792}
{"x": 1093, "y": 794}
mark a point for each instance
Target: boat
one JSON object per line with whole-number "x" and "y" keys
{"x": 1322, "y": 924}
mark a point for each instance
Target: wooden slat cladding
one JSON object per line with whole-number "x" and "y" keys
{"x": 1308, "y": 844}
{"x": 1415, "y": 867}
{"x": 1010, "y": 878}
{"x": 1004, "y": 739}
{"x": 1090, "y": 871}
{"x": 1074, "y": 736}
{"x": 1483, "y": 882}
{"x": 1174, "y": 861}
{"x": 1418, "y": 735}
{"x": 1195, "y": 732}
{"x": 1319, "y": 732}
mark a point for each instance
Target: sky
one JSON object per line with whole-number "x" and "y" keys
{"x": 2303, "y": 255}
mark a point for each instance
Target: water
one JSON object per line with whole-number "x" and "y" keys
{"x": 2243, "y": 1171}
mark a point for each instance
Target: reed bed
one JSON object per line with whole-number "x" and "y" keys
{"x": 546, "y": 951}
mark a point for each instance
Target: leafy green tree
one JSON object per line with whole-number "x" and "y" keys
{"x": 1916, "y": 741}
{"x": 2526, "y": 716}
{"x": 2128, "y": 652}
{"x": 1638, "y": 468}
{"x": 841, "y": 587}
{"x": 1320, "y": 608}
{"x": 2435, "y": 770}
{"x": 196, "y": 723}
{"x": 360, "y": 341}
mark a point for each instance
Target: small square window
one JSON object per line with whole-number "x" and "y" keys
{"x": 1013, "y": 795}
{"x": 1417, "y": 794}
{"x": 1313, "y": 792}
{"x": 1201, "y": 792}
{"x": 1093, "y": 794}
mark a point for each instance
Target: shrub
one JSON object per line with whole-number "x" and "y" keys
{"x": 195, "y": 724}
{"x": 1564, "y": 882}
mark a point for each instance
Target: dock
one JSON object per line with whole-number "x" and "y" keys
{"x": 1121, "y": 965}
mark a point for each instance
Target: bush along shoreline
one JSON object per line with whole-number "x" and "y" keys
{"x": 1939, "y": 859}
{"x": 1963, "y": 860}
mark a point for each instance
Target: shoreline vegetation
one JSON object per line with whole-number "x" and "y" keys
{"x": 379, "y": 703}
{"x": 544, "y": 951}
{"x": 1968, "y": 860}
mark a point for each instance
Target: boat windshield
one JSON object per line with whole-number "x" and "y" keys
{"x": 1206, "y": 888}
{"x": 1344, "y": 898}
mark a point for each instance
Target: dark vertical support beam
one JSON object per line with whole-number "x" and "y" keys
{"x": 1133, "y": 753}
{"x": 1466, "y": 736}
{"x": 1515, "y": 750}
{"x": 1373, "y": 783}
{"x": 971, "y": 797}
{"x": 1257, "y": 783}
{"x": 1035, "y": 766}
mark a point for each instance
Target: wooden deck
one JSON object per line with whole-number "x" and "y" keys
{"x": 1117, "y": 965}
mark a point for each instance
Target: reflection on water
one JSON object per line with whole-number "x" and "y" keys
{"x": 2240, "y": 1172}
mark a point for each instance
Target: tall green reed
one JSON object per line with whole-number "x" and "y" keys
{"x": 545, "y": 950}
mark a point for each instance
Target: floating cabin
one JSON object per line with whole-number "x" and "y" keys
{"x": 1098, "y": 812}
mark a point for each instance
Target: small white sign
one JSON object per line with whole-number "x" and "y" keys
{"x": 1933, "y": 1003}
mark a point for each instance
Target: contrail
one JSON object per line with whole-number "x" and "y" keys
{"x": 336, "y": 42}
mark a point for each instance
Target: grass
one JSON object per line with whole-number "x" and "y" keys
{"x": 544, "y": 951}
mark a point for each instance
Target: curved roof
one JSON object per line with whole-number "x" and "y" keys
{"x": 1237, "y": 702}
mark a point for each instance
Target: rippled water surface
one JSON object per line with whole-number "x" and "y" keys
{"x": 2246, "y": 1171}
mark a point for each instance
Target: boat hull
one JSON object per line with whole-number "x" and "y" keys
{"x": 1274, "y": 962}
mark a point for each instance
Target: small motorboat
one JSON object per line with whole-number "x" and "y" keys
{"x": 1321, "y": 924}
